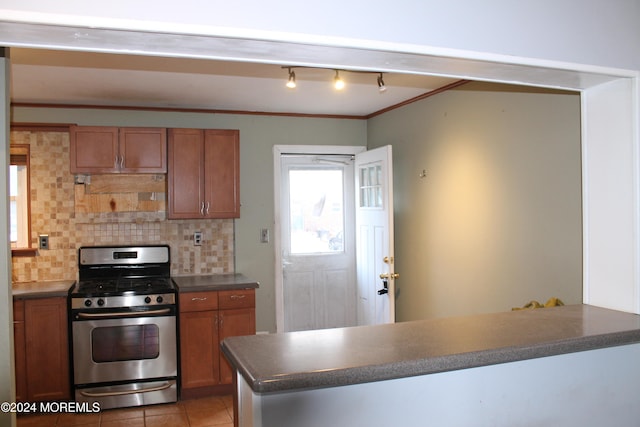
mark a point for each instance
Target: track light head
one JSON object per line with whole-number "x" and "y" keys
{"x": 381, "y": 87}
{"x": 338, "y": 83}
{"x": 291, "y": 83}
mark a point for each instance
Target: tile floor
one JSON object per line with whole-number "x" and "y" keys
{"x": 205, "y": 412}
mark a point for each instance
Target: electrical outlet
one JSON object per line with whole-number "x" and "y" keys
{"x": 264, "y": 235}
{"x": 197, "y": 238}
{"x": 43, "y": 241}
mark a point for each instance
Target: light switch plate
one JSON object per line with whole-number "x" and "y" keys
{"x": 197, "y": 238}
{"x": 264, "y": 235}
{"x": 43, "y": 241}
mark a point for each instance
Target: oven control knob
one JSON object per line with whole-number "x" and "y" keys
{"x": 87, "y": 303}
{"x": 159, "y": 299}
{"x": 100, "y": 302}
{"x": 147, "y": 300}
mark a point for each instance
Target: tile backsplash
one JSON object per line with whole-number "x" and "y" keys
{"x": 53, "y": 212}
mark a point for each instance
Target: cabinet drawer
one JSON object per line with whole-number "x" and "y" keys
{"x": 240, "y": 298}
{"x": 198, "y": 301}
{"x": 18, "y": 310}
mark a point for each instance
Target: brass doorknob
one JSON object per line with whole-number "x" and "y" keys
{"x": 389, "y": 276}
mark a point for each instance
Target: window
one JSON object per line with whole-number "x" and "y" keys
{"x": 19, "y": 200}
{"x": 316, "y": 210}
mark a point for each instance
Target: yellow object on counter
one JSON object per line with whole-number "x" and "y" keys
{"x": 551, "y": 302}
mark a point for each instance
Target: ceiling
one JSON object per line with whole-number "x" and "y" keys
{"x": 106, "y": 79}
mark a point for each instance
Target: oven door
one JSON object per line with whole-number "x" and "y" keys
{"x": 124, "y": 349}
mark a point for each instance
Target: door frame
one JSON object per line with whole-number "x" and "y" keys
{"x": 278, "y": 151}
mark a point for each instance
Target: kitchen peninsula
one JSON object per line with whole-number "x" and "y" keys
{"x": 572, "y": 366}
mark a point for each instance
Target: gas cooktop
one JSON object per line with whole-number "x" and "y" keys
{"x": 106, "y": 271}
{"x": 123, "y": 286}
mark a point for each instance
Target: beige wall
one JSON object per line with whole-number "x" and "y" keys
{"x": 53, "y": 207}
{"x": 496, "y": 222}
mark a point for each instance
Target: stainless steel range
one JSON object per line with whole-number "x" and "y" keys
{"x": 123, "y": 326}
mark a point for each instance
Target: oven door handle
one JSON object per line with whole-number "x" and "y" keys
{"x": 125, "y": 392}
{"x": 123, "y": 314}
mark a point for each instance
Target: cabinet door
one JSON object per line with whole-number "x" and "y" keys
{"x": 236, "y": 322}
{"x": 19, "y": 345}
{"x": 199, "y": 349}
{"x": 222, "y": 173}
{"x": 143, "y": 150}
{"x": 93, "y": 149}
{"x": 185, "y": 174}
{"x": 47, "y": 349}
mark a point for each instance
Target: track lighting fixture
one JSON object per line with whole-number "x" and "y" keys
{"x": 338, "y": 83}
{"x": 381, "y": 87}
{"x": 291, "y": 84}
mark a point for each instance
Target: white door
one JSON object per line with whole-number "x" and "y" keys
{"x": 374, "y": 237}
{"x": 317, "y": 241}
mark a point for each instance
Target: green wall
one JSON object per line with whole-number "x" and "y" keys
{"x": 496, "y": 222}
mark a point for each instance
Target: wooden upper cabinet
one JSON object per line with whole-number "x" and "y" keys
{"x": 203, "y": 174}
{"x": 93, "y": 149}
{"x": 143, "y": 150}
{"x": 100, "y": 149}
{"x": 185, "y": 173}
{"x": 222, "y": 173}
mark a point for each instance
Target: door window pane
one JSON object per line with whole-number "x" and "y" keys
{"x": 370, "y": 186}
{"x": 316, "y": 209}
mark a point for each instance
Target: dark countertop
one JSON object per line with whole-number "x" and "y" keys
{"x": 345, "y": 356}
{"x": 41, "y": 289}
{"x": 214, "y": 282}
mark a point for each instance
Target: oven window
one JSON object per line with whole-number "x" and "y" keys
{"x": 118, "y": 343}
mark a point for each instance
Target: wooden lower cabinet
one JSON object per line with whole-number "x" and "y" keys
{"x": 198, "y": 347}
{"x": 234, "y": 323}
{"x": 206, "y": 318}
{"x": 41, "y": 342}
{"x": 19, "y": 345}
